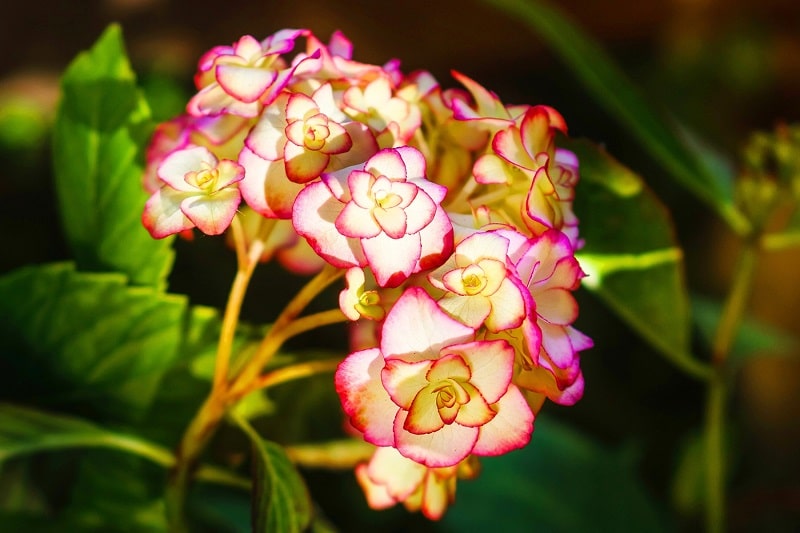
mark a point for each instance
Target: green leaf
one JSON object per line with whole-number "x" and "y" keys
{"x": 18, "y": 490}
{"x": 35, "y": 523}
{"x": 85, "y": 341}
{"x": 188, "y": 381}
{"x": 280, "y": 498}
{"x": 689, "y": 482}
{"x": 101, "y": 125}
{"x": 117, "y": 493}
{"x": 678, "y": 155}
{"x": 214, "y": 508}
{"x": 24, "y": 431}
{"x": 562, "y": 481}
{"x": 632, "y": 259}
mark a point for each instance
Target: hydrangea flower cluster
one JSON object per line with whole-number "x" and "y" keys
{"x": 451, "y": 213}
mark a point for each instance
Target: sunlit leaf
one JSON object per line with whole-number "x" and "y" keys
{"x": 682, "y": 158}
{"x": 631, "y": 256}
{"x": 85, "y": 341}
{"x": 101, "y": 127}
{"x": 562, "y": 481}
{"x": 24, "y": 431}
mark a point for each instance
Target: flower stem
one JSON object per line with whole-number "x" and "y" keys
{"x": 732, "y": 315}
{"x": 715, "y": 455}
{"x": 225, "y": 393}
{"x": 284, "y": 327}
{"x": 194, "y": 441}
{"x": 247, "y": 262}
{"x": 207, "y": 419}
{"x": 292, "y": 372}
{"x": 332, "y": 455}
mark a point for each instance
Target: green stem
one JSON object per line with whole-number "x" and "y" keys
{"x": 715, "y": 455}
{"x": 727, "y": 330}
{"x": 197, "y": 435}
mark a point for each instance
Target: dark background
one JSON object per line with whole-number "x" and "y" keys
{"x": 724, "y": 68}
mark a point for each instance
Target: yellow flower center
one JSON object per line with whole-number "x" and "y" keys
{"x": 474, "y": 279}
{"x": 315, "y": 135}
{"x": 205, "y": 179}
{"x": 449, "y": 393}
{"x": 386, "y": 199}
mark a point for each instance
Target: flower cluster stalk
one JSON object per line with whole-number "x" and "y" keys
{"x": 717, "y": 394}
{"x": 227, "y": 391}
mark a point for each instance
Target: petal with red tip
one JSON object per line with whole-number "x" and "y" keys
{"x": 392, "y": 260}
{"x": 511, "y": 427}
{"x": 445, "y": 447}
{"x": 212, "y": 214}
{"x": 416, "y": 311}
{"x": 244, "y": 83}
{"x": 363, "y": 397}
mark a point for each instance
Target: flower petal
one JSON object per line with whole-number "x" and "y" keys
{"x": 471, "y": 310}
{"x": 392, "y": 260}
{"x": 356, "y": 222}
{"x": 424, "y": 416}
{"x": 314, "y": 215}
{"x": 445, "y": 447}
{"x": 416, "y": 311}
{"x": 267, "y": 138}
{"x": 511, "y": 427}
{"x": 212, "y": 214}
{"x": 400, "y": 475}
{"x": 508, "y": 306}
{"x": 491, "y": 364}
{"x": 265, "y": 186}
{"x": 387, "y": 162}
{"x": 367, "y": 404}
{"x": 393, "y": 222}
{"x": 476, "y": 412}
{"x": 304, "y": 165}
{"x": 176, "y": 165}
{"x": 246, "y": 84}
{"x": 403, "y": 380}
{"x": 162, "y": 214}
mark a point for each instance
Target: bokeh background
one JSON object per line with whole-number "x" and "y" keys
{"x": 721, "y": 67}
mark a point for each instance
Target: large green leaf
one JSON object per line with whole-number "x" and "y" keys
{"x": 101, "y": 126}
{"x": 24, "y": 431}
{"x": 631, "y": 256}
{"x": 116, "y": 493}
{"x": 562, "y": 481}
{"x": 682, "y": 157}
{"x": 85, "y": 341}
{"x": 281, "y": 501}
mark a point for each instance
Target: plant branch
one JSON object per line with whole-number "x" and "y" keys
{"x": 727, "y": 330}
{"x": 332, "y": 455}
{"x": 277, "y": 334}
{"x": 292, "y": 372}
{"x": 247, "y": 259}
